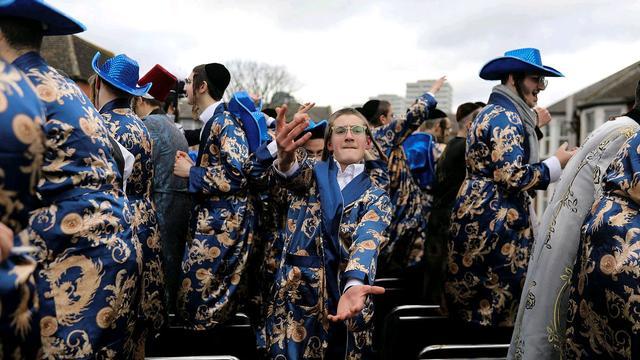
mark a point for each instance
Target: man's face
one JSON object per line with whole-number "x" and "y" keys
{"x": 531, "y": 85}
{"x": 314, "y": 148}
{"x": 444, "y": 132}
{"x": 349, "y": 140}
{"x": 188, "y": 88}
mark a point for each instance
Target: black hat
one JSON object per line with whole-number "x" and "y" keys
{"x": 270, "y": 112}
{"x": 467, "y": 108}
{"x": 219, "y": 77}
{"x": 370, "y": 108}
{"x": 436, "y": 114}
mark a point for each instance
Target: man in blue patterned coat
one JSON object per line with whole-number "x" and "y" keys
{"x": 336, "y": 224}
{"x": 21, "y": 151}
{"x": 491, "y": 228}
{"x": 116, "y": 85}
{"x": 223, "y": 218}
{"x": 88, "y": 263}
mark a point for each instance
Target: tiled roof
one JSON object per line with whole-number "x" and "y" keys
{"x": 71, "y": 54}
{"x": 617, "y": 88}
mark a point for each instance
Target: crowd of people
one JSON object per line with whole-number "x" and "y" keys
{"x": 108, "y": 225}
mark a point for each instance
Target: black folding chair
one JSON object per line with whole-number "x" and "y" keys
{"x": 450, "y": 352}
{"x": 234, "y": 338}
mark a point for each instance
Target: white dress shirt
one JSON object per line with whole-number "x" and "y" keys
{"x": 206, "y": 115}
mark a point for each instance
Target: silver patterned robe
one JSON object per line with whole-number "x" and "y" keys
{"x": 540, "y": 323}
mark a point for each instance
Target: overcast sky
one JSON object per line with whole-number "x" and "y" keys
{"x": 344, "y": 51}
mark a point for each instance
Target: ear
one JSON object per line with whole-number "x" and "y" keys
{"x": 203, "y": 88}
{"x": 329, "y": 145}
{"x": 369, "y": 145}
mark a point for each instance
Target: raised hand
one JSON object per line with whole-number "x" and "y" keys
{"x": 437, "y": 85}
{"x": 544, "y": 116}
{"x": 352, "y": 301}
{"x": 286, "y": 134}
{"x": 255, "y": 97}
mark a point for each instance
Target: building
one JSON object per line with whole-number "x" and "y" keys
{"x": 577, "y": 115}
{"x": 73, "y": 56}
{"x": 398, "y": 103}
{"x": 445, "y": 95}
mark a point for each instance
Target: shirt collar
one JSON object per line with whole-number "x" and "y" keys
{"x": 352, "y": 170}
{"x": 209, "y": 111}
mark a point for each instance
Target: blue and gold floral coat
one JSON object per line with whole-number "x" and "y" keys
{"x": 21, "y": 150}
{"x": 330, "y": 236}
{"x": 409, "y": 222}
{"x": 222, "y": 226}
{"x": 88, "y": 267}
{"x": 603, "y": 314}
{"x": 128, "y": 130}
{"x": 491, "y": 233}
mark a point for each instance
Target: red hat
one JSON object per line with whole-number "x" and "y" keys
{"x": 163, "y": 82}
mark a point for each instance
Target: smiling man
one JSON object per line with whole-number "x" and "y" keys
{"x": 322, "y": 306}
{"x": 491, "y": 227}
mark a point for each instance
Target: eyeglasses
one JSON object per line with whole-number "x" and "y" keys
{"x": 355, "y": 129}
{"x": 542, "y": 82}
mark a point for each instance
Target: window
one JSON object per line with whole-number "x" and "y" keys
{"x": 590, "y": 122}
{"x": 612, "y": 112}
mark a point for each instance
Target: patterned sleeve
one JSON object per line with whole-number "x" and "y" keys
{"x": 507, "y": 154}
{"x": 369, "y": 236}
{"x": 258, "y": 168}
{"x": 224, "y": 174}
{"x": 396, "y": 132}
{"x": 301, "y": 180}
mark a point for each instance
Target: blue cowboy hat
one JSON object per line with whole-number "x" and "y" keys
{"x": 525, "y": 60}
{"x": 122, "y": 72}
{"x": 54, "y": 21}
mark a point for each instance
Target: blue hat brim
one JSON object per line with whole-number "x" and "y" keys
{"x": 137, "y": 91}
{"x": 497, "y": 68}
{"x": 320, "y": 126}
{"x": 56, "y": 22}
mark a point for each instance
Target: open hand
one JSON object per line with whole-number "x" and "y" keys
{"x": 286, "y": 134}
{"x": 564, "y": 155}
{"x": 437, "y": 85}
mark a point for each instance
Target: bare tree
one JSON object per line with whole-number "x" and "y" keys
{"x": 260, "y": 78}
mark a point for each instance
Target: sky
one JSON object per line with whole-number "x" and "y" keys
{"x": 344, "y": 51}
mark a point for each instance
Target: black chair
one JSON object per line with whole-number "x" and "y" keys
{"x": 408, "y": 329}
{"x": 396, "y": 293}
{"x": 484, "y": 352}
{"x": 234, "y": 338}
